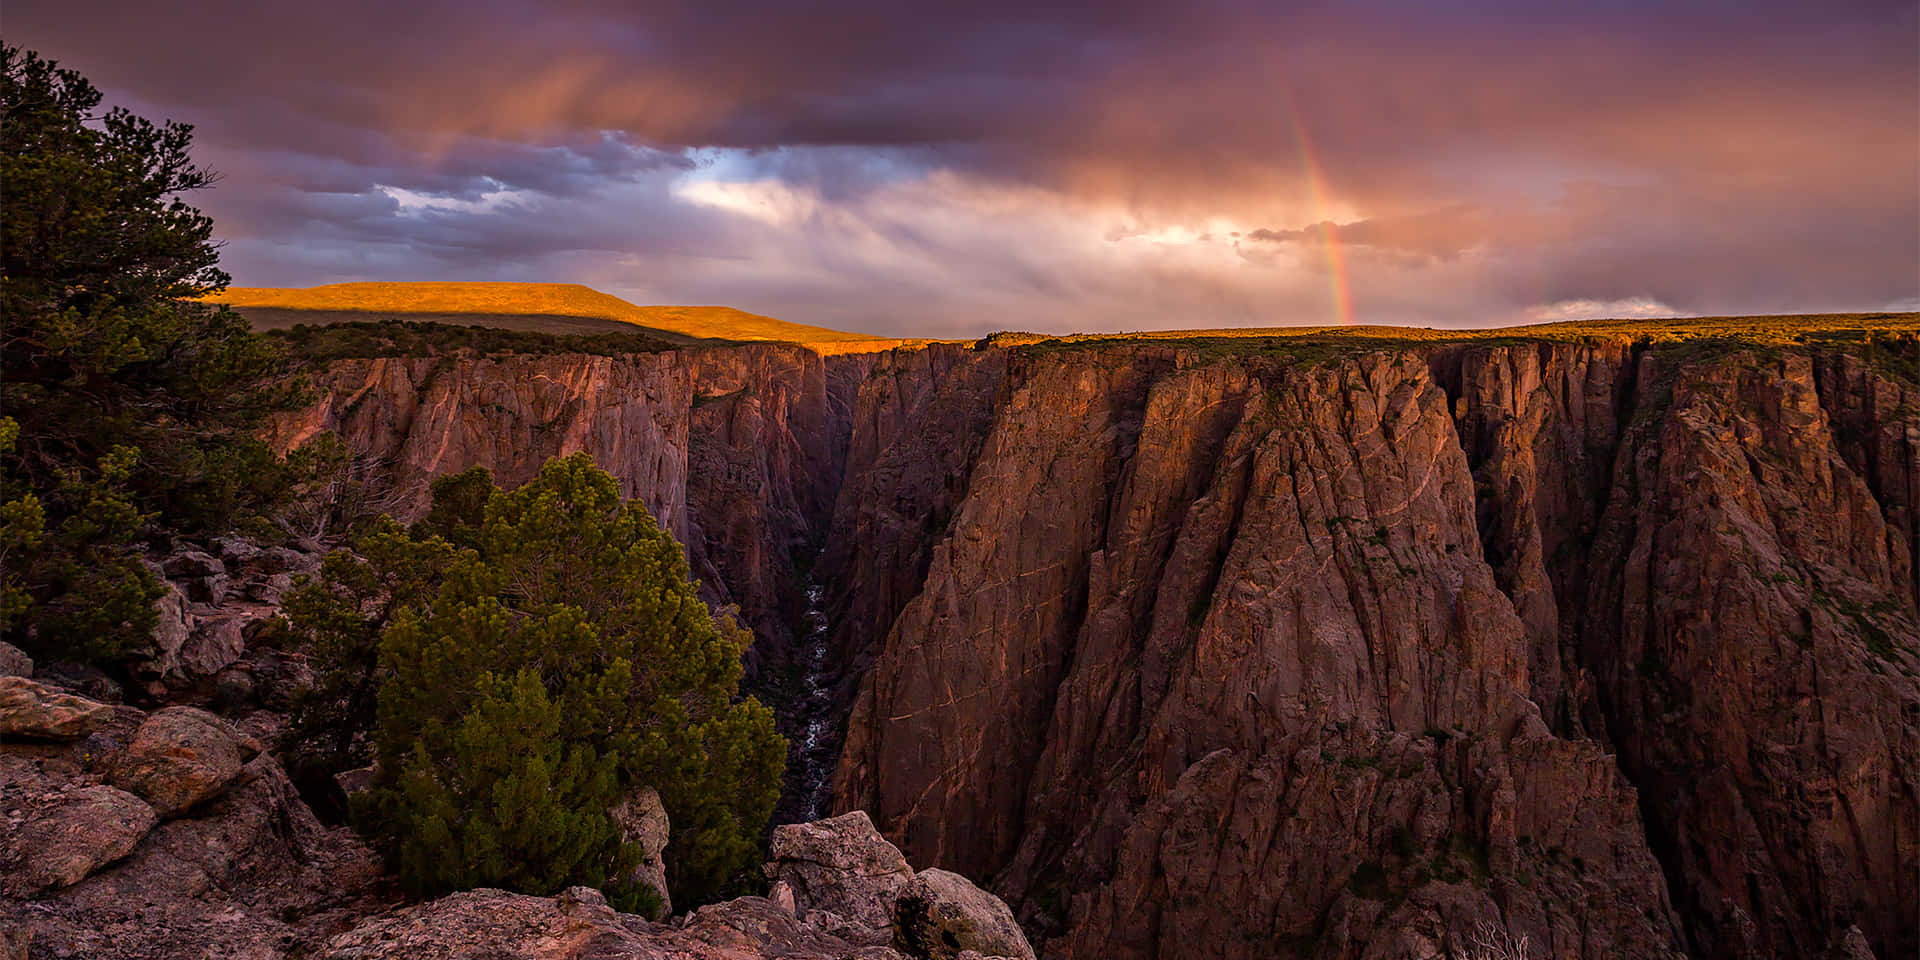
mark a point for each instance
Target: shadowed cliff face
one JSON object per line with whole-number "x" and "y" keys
{"x": 1260, "y": 654}
{"x": 1223, "y": 656}
{"x": 737, "y": 451}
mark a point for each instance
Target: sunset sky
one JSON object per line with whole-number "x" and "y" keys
{"x": 948, "y": 169}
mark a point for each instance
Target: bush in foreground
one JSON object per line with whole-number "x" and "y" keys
{"x": 536, "y": 654}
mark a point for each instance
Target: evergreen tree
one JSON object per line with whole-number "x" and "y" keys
{"x": 133, "y": 404}
{"x": 340, "y": 616}
{"x": 557, "y": 657}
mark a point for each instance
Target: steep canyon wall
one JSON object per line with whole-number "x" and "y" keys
{"x": 1262, "y": 651}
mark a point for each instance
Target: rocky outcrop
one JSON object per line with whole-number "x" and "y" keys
{"x": 219, "y": 596}
{"x": 29, "y": 709}
{"x": 14, "y": 661}
{"x": 509, "y": 926}
{"x": 61, "y": 839}
{"x": 941, "y": 916}
{"x": 93, "y": 870}
{"x": 850, "y": 877}
{"x": 841, "y": 866}
{"x": 579, "y": 923}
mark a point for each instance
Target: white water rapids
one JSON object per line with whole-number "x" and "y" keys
{"x": 817, "y": 758}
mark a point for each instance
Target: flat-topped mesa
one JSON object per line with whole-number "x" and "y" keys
{"x": 1307, "y": 645}
{"x": 555, "y": 308}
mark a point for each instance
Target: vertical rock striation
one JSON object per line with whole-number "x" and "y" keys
{"x": 1751, "y": 630}
{"x": 1260, "y": 652}
{"x": 1349, "y": 656}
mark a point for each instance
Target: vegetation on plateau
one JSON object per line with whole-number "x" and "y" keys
{"x": 1889, "y": 341}
{"x": 538, "y": 307}
{"x": 324, "y": 343}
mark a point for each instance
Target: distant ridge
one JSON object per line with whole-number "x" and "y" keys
{"x": 545, "y": 307}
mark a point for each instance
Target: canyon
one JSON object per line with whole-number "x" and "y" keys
{"x": 1258, "y": 647}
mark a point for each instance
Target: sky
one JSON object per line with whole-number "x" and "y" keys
{"x": 947, "y": 169}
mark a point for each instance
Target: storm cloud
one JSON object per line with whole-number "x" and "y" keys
{"x": 953, "y": 168}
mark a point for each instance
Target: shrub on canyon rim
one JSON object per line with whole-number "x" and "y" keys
{"x": 547, "y": 652}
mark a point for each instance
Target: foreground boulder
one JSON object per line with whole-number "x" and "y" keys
{"x": 841, "y": 863}
{"x": 842, "y": 866}
{"x": 495, "y": 924}
{"x": 941, "y": 915}
{"x": 29, "y": 709}
{"x": 62, "y": 839}
{"x": 179, "y": 757}
{"x": 578, "y": 923}
{"x": 91, "y": 870}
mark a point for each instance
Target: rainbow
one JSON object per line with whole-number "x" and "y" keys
{"x": 1329, "y": 231}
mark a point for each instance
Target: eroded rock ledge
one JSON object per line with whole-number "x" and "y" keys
{"x": 147, "y": 836}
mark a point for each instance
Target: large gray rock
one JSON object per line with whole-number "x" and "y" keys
{"x": 29, "y": 709}
{"x": 642, "y": 820}
{"x": 179, "y": 757}
{"x": 842, "y": 866}
{"x": 61, "y": 839}
{"x": 216, "y": 643}
{"x": 940, "y": 915}
{"x": 237, "y": 551}
{"x": 14, "y": 661}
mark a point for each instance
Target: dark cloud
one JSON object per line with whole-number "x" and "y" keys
{"x": 946, "y": 164}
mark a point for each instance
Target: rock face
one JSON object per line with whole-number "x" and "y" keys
{"x": 422, "y": 418}
{"x": 1335, "y": 658}
{"x": 1254, "y": 652}
{"x": 736, "y": 451}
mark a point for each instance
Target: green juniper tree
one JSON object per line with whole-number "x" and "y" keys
{"x": 132, "y": 406}
{"x": 537, "y": 653}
